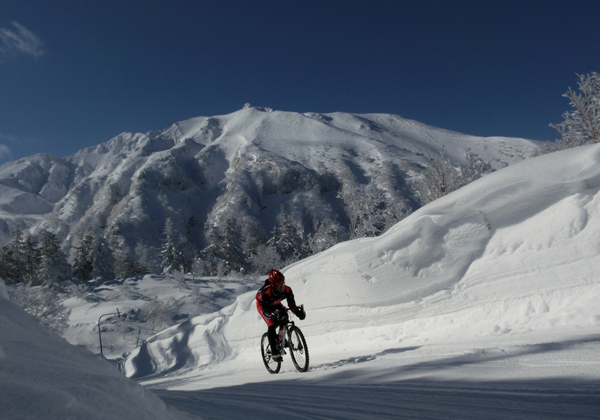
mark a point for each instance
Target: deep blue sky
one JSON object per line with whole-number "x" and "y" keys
{"x": 76, "y": 73}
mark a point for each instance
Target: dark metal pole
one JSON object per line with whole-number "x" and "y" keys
{"x": 100, "y": 332}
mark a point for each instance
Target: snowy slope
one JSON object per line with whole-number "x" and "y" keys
{"x": 497, "y": 281}
{"x": 44, "y": 377}
{"x": 132, "y": 183}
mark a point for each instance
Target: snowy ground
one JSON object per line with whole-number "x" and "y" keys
{"x": 483, "y": 304}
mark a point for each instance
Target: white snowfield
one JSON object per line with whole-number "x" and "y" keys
{"x": 497, "y": 283}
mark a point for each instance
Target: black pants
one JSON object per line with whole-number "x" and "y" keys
{"x": 272, "y": 331}
{"x": 273, "y": 338}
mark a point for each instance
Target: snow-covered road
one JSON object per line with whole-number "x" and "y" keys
{"x": 398, "y": 400}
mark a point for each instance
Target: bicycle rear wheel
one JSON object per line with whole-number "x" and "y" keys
{"x": 265, "y": 349}
{"x": 298, "y": 349}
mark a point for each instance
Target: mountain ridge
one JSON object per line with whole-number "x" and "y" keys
{"x": 132, "y": 183}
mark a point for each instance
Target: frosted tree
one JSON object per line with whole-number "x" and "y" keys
{"x": 53, "y": 261}
{"x": 288, "y": 236}
{"x": 474, "y": 168}
{"x": 176, "y": 252}
{"x": 326, "y": 234}
{"x": 13, "y": 258}
{"x": 44, "y": 304}
{"x": 367, "y": 209}
{"x": 117, "y": 244}
{"x": 265, "y": 258}
{"x": 93, "y": 257}
{"x": 364, "y": 203}
{"x": 82, "y": 266}
{"x": 187, "y": 254}
{"x": 102, "y": 259}
{"x": 397, "y": 205}
{"x": 582, "y": 124}
{"x": 31, "y": 259}
{"x": 443, "y": 176}
{"x": 168, "y": 251}
{"x": 198, "y": 267}
{"x": 158, "y": 311}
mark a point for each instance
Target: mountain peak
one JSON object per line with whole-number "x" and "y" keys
{"x": 258, "y": 108}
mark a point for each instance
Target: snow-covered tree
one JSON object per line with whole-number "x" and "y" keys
{"x": 176, "y": 252}
{"x": 187, "y": 254}
{"x": 582, "y": 124}
{"x": 53, "y": 261}
{"x": 102, "y": 259}
{"x": 159, "y": 311}
{"x": 13, "y": 258}
{"x": 44, "y": 304}
{"x": 32, "y": 259}
{"x": 265, "y": 258}
{"x": 168, "y": 250}
{"x": 443, "y": 176}
{"x": 93, "y": 257}
{"x": 198, "y": 267}
{"x": 82, "y": 266}
{"x": 326, "y": 234}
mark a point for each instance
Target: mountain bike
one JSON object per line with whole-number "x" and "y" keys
{"x": 289, "y": 337}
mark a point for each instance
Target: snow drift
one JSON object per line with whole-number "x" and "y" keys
{"x": 44, "y": 377}
{"x": 509, "y": 260}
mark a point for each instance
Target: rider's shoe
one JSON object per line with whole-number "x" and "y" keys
{"x": 277, "y": 357}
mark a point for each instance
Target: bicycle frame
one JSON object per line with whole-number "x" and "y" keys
{"x": 284, "y": 335}
{"x": 289, "y": 338}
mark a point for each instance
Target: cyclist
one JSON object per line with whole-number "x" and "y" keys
{"x": 268, "y": 303}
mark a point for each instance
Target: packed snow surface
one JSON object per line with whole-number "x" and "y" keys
{"x": 496, "y": 283}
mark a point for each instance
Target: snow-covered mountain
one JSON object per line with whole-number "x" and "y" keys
{"x": 250, "y": 165}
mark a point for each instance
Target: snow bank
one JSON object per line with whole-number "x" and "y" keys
{"x": 510, "y": 259}
{"x": 44, "y": 377}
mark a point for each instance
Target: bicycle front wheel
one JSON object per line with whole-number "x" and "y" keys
{"x": 298, "y": 349}
{"x": 265, "y": 349}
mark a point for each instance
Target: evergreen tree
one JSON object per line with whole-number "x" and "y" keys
{"x": 31, "y": 259}
{"x": 168, "y": 251}
{"x": 186, "y": 253}
{"x": 53, "y": 261}
{"x": 82, "y": 266}
{"x": 124, "y": 264}
{"x": 101, "y": 258}
{"x": 13, "y": 267}
{"x": 176, "y": 252}
{"x": 93, "y": 257}
{"x": 288, "y": 237}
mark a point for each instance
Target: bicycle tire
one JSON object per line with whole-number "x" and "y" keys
{"x": 272, "y": 366}
{"x": 298, "y": 349}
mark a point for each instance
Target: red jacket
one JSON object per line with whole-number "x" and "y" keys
{"x": 268, "y": 300}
